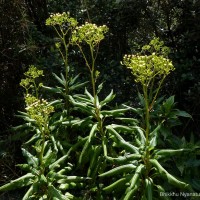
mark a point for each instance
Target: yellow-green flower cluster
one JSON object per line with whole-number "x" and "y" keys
{"x": 156, "y": 46}
{"x": 31, "y": 75}
{"x": 61, "y": 19}
{"x": 33, "y": 72}
{"x": 89, "y": 33}
{"x": 38, "y": 110}
{"x": 144, "y": 68}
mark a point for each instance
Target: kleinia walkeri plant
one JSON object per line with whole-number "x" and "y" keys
{"x": 130, "y": 150}
{"x": 140, "y": 164}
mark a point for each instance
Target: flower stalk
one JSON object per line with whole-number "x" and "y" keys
{"x": 148, "y": 70}
{"x": 63, "y": 25}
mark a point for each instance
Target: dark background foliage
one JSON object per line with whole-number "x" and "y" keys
{"x": 25, "y": 40}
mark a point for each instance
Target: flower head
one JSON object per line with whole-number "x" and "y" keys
{"x": 33, "y": 72}
{"x": 31, "y": 75}
{"x": 144, "y": 68}
{"x": 89, "y": 33}
{"x": 38, "y": 109}
{"x": 61, "y": 19}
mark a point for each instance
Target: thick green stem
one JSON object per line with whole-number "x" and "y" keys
{"x": 65, "y": 59}
{"x": 44, "y": 132}
{"x": 91, "y": 68}
{"x": 151, "y": 89}
{"x": 147, "y": 124}
{"x": 157, "y": 91}
{"x": 148, "y": 108}
{"x": 93, "y": 87}
{"x": 97, "y": 109}
{"x": 62, "y": 35}
{"x": 86, "y": 61}
{"x": 93, "y": 78}
{"x": 147, "y": 115}
{"x": 42, "y": 169}
{"x": 36, "y": 89}
{"x": 104, "y": 146}
{"x": 66, "y": 70}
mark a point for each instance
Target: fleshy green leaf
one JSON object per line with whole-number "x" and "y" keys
{"x": 182, "y": 113}
{"x": 32, "y": 160}
{"x": 117, "y": 184}
{"x": 115, "y": 113}
{"x": 168, "y": 104}
{"x": 69, "y": 179}
{"x": 57, "y": 163}
{"x": 118, "y": 170}
{"x": 54, "y": 193}
{"x": 109, "y": 98}
{"x": 62, "y": 80}
{"x": 92, "y": 132}
{"x": 18, "y": 183}
{"x": 171, "y": 179}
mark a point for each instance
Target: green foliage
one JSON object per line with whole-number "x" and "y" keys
{"x": 142, "y": 159}
{"x": 44, "y": 164}
{"x": 77, "y": 140}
